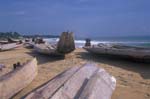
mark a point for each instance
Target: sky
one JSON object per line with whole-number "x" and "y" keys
{"x": 85, "y": 18}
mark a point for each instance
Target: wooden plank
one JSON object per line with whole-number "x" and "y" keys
{"x": 74, "y": 86}
{"x": 100, "y": 86}
{"x": 48, "y": 89}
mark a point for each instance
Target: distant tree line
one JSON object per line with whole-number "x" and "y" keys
{"x": 43, "y": 36}
{"x": 5, "y": 35}
{"x": 16, "y": 35}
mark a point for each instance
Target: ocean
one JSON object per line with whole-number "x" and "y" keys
{"x": 143, "y": 41}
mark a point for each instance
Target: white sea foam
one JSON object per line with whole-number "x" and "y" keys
{"x": 80, "y": 43}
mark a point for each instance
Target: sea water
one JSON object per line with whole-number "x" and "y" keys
{"x": 134, "y": 41}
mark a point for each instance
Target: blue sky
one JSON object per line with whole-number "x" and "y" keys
{"x": 84, "y": 17}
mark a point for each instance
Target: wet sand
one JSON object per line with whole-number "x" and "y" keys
{"x": 133, "y": 78}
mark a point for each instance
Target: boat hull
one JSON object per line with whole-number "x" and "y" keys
{"x": 6, "y": 47}
{"x": 15, "y": 81}
{"x": 140, "y": 54}
{"x": 45, "y": 49}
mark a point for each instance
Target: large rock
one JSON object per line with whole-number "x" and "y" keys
{"x": 66, "y": 43}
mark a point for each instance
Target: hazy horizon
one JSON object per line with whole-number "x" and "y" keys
{"x": 86, "y": 18}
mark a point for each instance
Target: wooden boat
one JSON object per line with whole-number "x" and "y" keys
{"x": 79, "y": 82}
{"x": 120, "y": 50}
{"x": 11, "y": 40}
{"x": 29, "y": 44}
{"x": 16, "y": 80}
{"x": 3, "y": 42}
{"x": 10, "y": 46}
{"x": 47, "y": 49}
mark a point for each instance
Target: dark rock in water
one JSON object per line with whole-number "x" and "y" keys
{"x": 66, "y": 43}
{"x": 88, "y": 42}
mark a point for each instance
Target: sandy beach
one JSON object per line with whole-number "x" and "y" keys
{"x": 133, "y": 78}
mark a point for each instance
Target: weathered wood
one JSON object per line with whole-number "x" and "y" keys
{"x": 48, "y": 89}
{"x": 10, "y": 46}
{"x": 74, "y": 86}
{"x": 10, "y": 40}
{"x": 100, "y": 86}
{"x": 138, "y": 53}
{"x": 66, "y": 43}
{"x": 86, "y": 82}
{"x": 17, "y": 79}
{"x": 5, "y": 47}
{"x": 3, "y": 42}
{"x": 46, "y": 49}
{"x": 30, "y": 44}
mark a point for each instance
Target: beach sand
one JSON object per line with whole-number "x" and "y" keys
{"x": 133, "y": 78}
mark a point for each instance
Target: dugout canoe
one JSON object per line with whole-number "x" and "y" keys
{"x": 14, "y": 81}
{"x": 47, "y": 49}
{"x": 140, "y": 53}
{"x": 3, "y": 42}
{"x": 79, "y": 82}
{"x": 10, "y": 46}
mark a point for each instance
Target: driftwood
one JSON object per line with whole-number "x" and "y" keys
{"x": 17, "y": 79}
{"x": 66, "y": 43}
{"x": 84, "y": 82}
